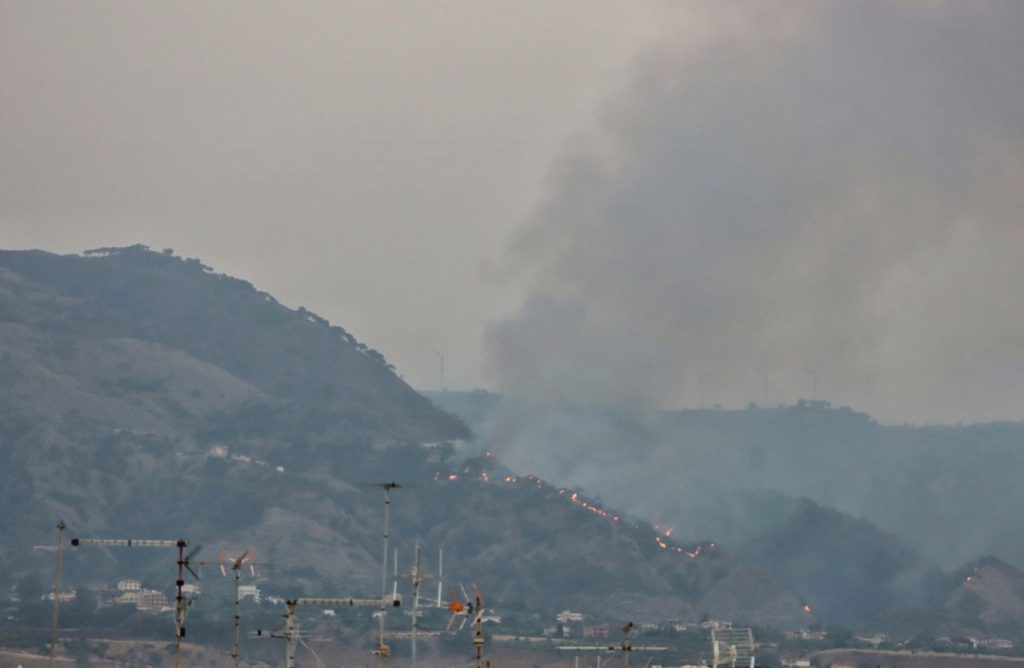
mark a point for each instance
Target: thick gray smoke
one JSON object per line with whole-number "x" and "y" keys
{"x": 823, "y": 187}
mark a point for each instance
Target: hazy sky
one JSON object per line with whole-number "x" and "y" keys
{"x": 366, "y": 160}
{"x": 663, "y": 202}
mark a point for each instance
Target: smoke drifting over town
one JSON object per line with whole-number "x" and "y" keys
{"x": 815, "y": 197}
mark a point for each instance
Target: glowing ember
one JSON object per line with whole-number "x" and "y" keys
{"x": 453, "y": 477}
{"x": 969, "y": 578}
{"x": 807, "y": 608}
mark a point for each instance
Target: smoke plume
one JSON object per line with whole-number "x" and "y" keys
{"x": 811, "y": 197}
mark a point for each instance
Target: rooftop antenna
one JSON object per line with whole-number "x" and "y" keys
{"x": 441, "y": 358}
{"x": 626, "y": 647}
{"x": 291, "y": 630}
{"x": 383, "y": 651}
{"x": 236, "y": 566}
{"x": 471, "y": 609}
{"x": 184, "y": 564}
{"x": 732, "y": 647}
{"x": 440, "y": 574}
{"x": 56, "y": 591}
{"x": 416, "y": 577}
{"x": 478, "y": 636}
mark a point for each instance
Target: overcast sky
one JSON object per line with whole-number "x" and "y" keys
{"x": 365, "y": 160}
{"x": 667, "y": 202}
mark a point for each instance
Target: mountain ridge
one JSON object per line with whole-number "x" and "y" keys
{"x": 152, "y": 397}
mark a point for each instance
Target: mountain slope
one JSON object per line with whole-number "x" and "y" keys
{"x": 139, "y": 295}
{"x": 150, "y": 397}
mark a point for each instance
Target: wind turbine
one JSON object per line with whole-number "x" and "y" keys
{"x": 184, "y": 564}
{"x": 441, "y": 358}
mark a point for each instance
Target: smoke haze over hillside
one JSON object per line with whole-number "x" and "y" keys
{"x": 827, "y": 188}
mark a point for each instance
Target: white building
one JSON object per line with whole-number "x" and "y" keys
{"x": 129, "y": 585}
{"x": 567, "y": 616}
{"x": 249, "y": 591}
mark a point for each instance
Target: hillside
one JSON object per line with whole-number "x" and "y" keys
{"x": 947, "y": 491}
{"x": 854, "y": 517}
{"x": 148, "y": 396}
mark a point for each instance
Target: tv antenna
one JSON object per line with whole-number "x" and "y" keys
{"x": 291, "y": 630}
{"x": 416, "y": 577}
{"x": 626, "y": 646}
{"x": 440, "y": 574}
{"x": 473, "y": 608}
{"x": 56, "y": 591}
{"x": 383, "y": 651}
{"x": 732, "y": 647}
{"x": 184, "y": 564}
{"x": 236, "y": 567}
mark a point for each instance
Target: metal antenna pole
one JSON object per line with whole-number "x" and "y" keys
{"x": 627, "y": 647}
{"x": 416, "y": 579}
{"x": 440, "y": 574}
{"x": 291, "y": 629}
{"x": 56, "y": 591}
{"x": 383, "y": 651}
{"x": 478, "y": 640}
{"x": 237, "y": 654}
{"x": 179, "y": 604}
{"x": 384, "y": 573}
{"x": 183, "y": 565}
{"x": 291, "y": 635}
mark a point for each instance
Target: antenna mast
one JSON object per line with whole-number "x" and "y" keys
{"x": 236, "y": 566}
{"x": 291, "y": 629}
{"x": 184, "y": 564}
{"x": 440, "y": 574}
{"x": 383, "y": 651}
{"x": 416, "y": 578}
{"x": 56, "y": 591}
